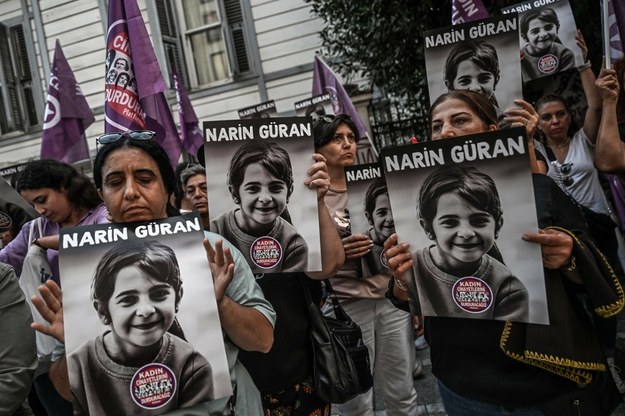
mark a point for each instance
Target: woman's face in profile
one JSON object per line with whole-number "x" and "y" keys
{"x": 471, "y": 77}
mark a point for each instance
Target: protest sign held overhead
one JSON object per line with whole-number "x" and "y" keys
{"x": 547, "y": 38}
{"x": 481, "y": 56}
{"x": 262, "y": 110}
{"x": 141, "y": 318}
{"x": 257, "y": 198}
{"x": 462, "y": 205}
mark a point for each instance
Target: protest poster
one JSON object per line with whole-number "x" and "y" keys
{"x": 370, "y": 213}
{"x": 315, "y": 107}
{"x": 481, "y": 55}
{"x": 257, "y": 198}
{"x": 142, "y": 329}
{"x": 463, "y": 204}
{"x": 262, "y": 110}
{"x": 547, "y": 37}
{"x": 14, "y": 210}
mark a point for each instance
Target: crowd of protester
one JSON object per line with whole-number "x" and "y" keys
{"x": 264, "y": 318}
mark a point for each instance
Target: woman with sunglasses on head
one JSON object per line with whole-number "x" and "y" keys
{"x": 483, "y": 365}
{"x": 387, "y": 332}
{"x": 64, "y": 198}
{"x": 135, "y": 179}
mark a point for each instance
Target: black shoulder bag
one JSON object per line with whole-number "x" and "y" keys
{"x": 341, "y": 366}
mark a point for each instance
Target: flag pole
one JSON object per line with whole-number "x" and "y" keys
{"x": 606, "y": 33}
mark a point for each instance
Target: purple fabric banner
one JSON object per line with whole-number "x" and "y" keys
{"x": 67, "y": 115}
{"x": 467, "y": 10}
{"x": 616, "y": 23}
{"x": 134, "y": 85}
{"x": 192, "y": 137}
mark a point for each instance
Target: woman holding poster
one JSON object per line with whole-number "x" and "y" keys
{"x": 135, "y": 179}
{"x": 482, "y": 365}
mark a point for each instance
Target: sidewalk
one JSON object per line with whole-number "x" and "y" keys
{"x": 427, "y": 393}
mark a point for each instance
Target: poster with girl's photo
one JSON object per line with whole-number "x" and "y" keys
{"x": 315, "y": 107}
{"x": 481, "y": 56}
{"x": 257, "y": 199}
{"x": 262, "y": 110}
{"x": 14, "y": 212}
{"x": 463, "y": 205}
{"x": 370, "y": 212}
{"x": 142, "y": 330}
{"x": 547, "y": 38}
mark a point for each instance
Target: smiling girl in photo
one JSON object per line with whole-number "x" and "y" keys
{"x": 460, "y": 210}
{"x": 136, "y": 291}
{"x": 260, "y": 181}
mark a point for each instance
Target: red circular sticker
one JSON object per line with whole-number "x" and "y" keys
{"x": 266, "y": 252}
{"x": 548, "y": 63}
{"x": 472, "y": 295}
{"x": 153, "y": 386}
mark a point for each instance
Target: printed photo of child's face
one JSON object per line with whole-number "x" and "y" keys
{"x": 471, "y": 77}
{"x": 141, "y": 309}
{"x": 382, "y": 219}
{"x": 263, "y": 197}
{"x": 541, "y": 35}
{"x": 463, "y": 233}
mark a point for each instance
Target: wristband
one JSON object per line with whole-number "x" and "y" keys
{"x": 401, "y": 285}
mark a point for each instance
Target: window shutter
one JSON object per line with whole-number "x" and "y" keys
{"x": 10, "y": 85}
{"x": 234, "y": 17}
{"x": 26, "y": 78}
{"x": 169, "y": 31}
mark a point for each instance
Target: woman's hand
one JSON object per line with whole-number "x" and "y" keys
{"x": 398, "y": 257}
{"x": 318, "y": 177}
{"x": 222, "y": 267}
{"x": 582, "y": 44}
{"x": 356, "y": 246}
{"x": 556, "y": 247}
{"x": 50, "y": 306}
{"x": 607, "y": 85}
{"x": 522, "y": 116}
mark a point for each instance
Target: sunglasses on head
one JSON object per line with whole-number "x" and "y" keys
{"x": 140, "y": 135}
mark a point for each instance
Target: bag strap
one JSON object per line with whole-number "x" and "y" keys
{"x": 339, "y": 312}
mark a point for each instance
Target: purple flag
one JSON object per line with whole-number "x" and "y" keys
{"x": 616, "y": 24}
{"x": 134, "y": 85}
{"x": 192, "y": 137}
{"x": 67, "y": 115}
{"x": 467, "y": 11}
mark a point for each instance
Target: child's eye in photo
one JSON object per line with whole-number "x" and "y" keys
{"x": 480, "y": 220}
{"x": 277, "y": 187}
{"x": 449, "y": 222}
{"x": 484, "y": 78}
{"x": 127, "y": 300}
{"x": 251, "y": 188}
{"x": 161, "y": 293}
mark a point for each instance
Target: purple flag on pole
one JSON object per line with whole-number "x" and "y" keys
{"x": 467, "y": 11}
{"x": 616, "y": 23}
{"x": 134, "y": 85}
{"x": 67, "y": 115}
{"x": 192, "y": 137}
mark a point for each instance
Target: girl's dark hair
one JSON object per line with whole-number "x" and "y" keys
{"x": 619, "y": 67}
{"x": 479, "y": 52}
{"x": 470, "y": 184}
{"x": 477, "y": 102}
{"x": 549, "y": 98}
{"x": 375, "y": 189}
{"x": 325, "y": 127}
{"x": 151, "y": 257}
{"x": 546, "y": 14}
{"x": 151, "y": 147}
{"x": 48, "y": 173}
{"x": 270, "y": 155}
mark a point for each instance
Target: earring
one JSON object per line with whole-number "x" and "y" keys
{"x": 236, "y": 200}
{"x": 106, "y": 320}
{"x": 496, "y": 236}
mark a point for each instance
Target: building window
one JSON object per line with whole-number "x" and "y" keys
{"x": 17, "y": 104}
{"x": 211, "y": 34}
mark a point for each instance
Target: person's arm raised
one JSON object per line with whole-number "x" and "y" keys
{"x": 609, "y": 149}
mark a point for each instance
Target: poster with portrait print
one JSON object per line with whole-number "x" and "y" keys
{"x": 463, "y": 205}
{"x": 547, "y": 37}
{"x": 257, "y": 199}
{"x": 262, "y": 110}
{"x": 315, "y": 107}
{"x": 370, "y": 212}
{"x": 482, "y": 55}
{"x": 14, "y": 210}
{"x": 142, "y": 329}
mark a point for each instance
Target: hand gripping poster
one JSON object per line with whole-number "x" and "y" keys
{"x": 463, "y": 205}
{"x": 370, "y": 213}
{"x": 481, "y": 56}
{"x": 547, "y": 37}
{"x": 257, "y": 199}
{"x": 142, "y": 330}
